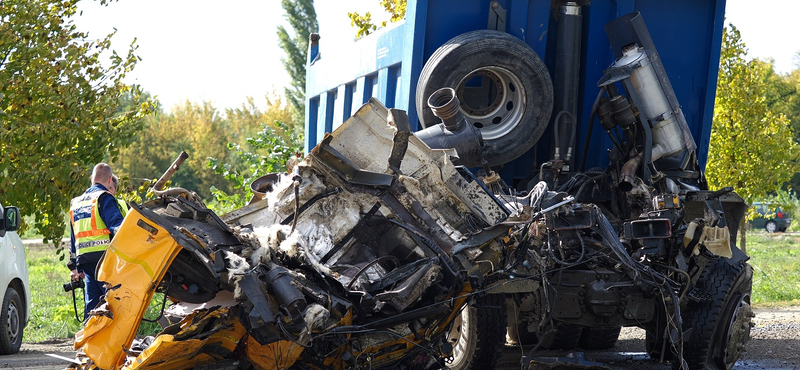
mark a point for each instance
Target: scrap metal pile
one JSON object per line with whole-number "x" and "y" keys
{"x": 362, "y": 256}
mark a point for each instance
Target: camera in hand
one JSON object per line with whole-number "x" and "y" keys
{"x": 72, "y": 285}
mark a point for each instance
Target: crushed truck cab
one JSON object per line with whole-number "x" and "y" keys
{"x": 536, "y": 183}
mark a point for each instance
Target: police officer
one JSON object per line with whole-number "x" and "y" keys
{"x": 123, "y": 207}
{"x": 94, "y": 219}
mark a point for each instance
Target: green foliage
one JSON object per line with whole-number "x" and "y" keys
{"x": 303, "y": 19}
{"x": 781, "y": 92}
{"x": 152, "y": 313}
{"x": 363, "y": 23}
{"x": 203, "y": 132}
{"x": 752, "y": 146}
{"x": 60, "y": 91}
{"x": 280, "y": 144}
{"x": 787, "y": 100}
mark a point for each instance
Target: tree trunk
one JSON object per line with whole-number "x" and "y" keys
{"x": 743, "y": 235}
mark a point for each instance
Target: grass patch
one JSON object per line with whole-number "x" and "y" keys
{"x": 774, "y": 258}
{"x": 51, "y": 308}
{"x": 52, "y": 311}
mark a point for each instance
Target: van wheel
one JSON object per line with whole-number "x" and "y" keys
{"x": 11, "y": 322}
{"x": 771, "y": 227}
{"x": 722, "y": 322}
{"x": 478, "y": 334}
{"x": 503, "y": 86}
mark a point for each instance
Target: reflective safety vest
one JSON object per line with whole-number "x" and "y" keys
{"x": 123, "y": 207}
{"x": 91, "y": 233}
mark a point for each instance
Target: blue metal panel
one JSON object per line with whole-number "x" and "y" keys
{"x": 687, "y": 35}
{"x": 344, "y": 105}
{"x": 329, "y": 100}
{"x": 324, "y": 114}
{"x": 387, "y": 64}
{"x": 312, "y": 114}
{"x": 413, "y": 59}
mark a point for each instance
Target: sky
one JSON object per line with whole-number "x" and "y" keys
{"x": 204, "y": 50}
{"x": 768, "y": 29}
{"x": 200, "y": 50}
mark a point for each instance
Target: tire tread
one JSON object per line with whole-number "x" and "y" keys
{"x": 7, "y": 346}
{"x": 704, "y": 316}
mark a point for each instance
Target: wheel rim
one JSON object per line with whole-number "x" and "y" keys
{"x": 13, "y": 322}
{"x": 738, "y": 333}
{"x": 498, "y": 105}
{"x": 457, "y": 339}
{"x": 771, "y": 227}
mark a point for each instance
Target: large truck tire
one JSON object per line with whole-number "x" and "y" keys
{"x": 599, "y": 338}
{"x": 721, "y": 322}
{"x": 560, "y": 335}
{"x": 478, "y": 334}
{"x": 503, "y": 86}
{"x": 654, "y": 340}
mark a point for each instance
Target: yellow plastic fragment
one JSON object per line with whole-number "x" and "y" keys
{"x": 137, "y": 259}
{"x": 273, "y": 356}
{"x": 169, "y": 352}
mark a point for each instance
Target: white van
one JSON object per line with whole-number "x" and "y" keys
{"x": 14, "y": 286}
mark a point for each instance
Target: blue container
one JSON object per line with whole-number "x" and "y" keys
{"x": 387, "y": 64}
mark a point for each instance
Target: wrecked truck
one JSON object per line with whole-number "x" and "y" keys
{"x": 608, "y": 102}
{"x": 390, "y": 246}
{"x": 338, "y": 264}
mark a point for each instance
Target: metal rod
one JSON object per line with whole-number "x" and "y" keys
{"x": 159, "y": 185}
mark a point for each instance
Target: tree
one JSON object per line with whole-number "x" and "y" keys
{"x": 197, "y": 128}
{"x": 259, "y": 153}
{"x": 204, "y": 133}
{"x": 363, "y": 23}
{"x": 783, "y": 97}
{"x": 246, "y": 121}
{"x": 752, "y": 146}
{"x": 303, "y": 20}
{"x": 59, "y": 96}
{"x": 280, "y": 142}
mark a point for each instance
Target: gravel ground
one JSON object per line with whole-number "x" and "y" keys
{"x": 774, "y": 344}
{"x": 776, "y": 338}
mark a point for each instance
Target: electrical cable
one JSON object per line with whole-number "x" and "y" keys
{"x": 592, "y": 180}
{"x": 296, "y": 204}
{"x": 75, "y": 306}
{"x": 589, "y": 128}
{"x": 279, "y": 320}
{"x": 372, "y": 263}
{"x": 163, "y": 303}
